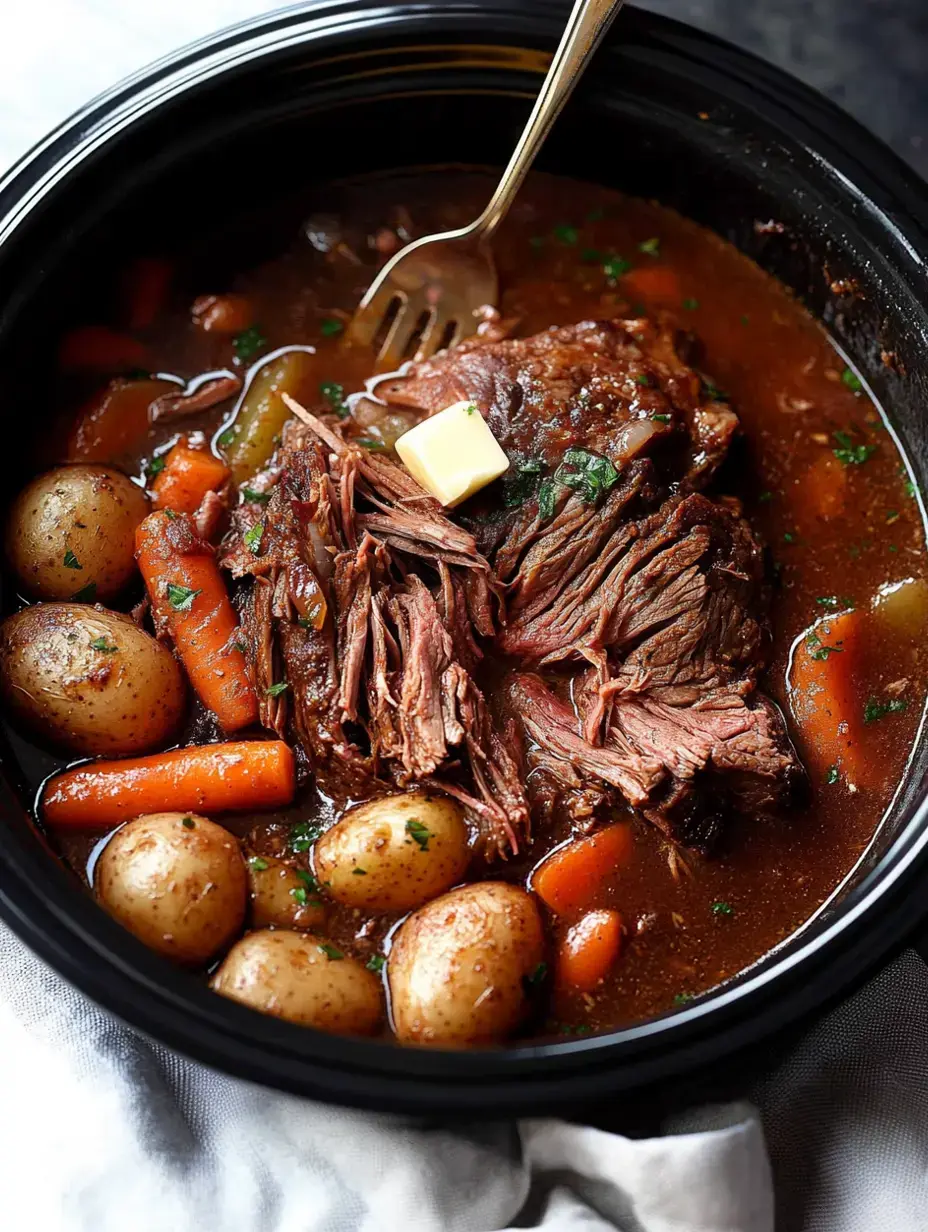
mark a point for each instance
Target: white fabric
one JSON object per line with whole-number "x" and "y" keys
{"x": 102, "y": 1131}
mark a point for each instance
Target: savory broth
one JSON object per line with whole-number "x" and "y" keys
{"x": 819, "y": 474}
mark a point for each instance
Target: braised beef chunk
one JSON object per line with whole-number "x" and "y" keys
{"x": 617, "y": 387}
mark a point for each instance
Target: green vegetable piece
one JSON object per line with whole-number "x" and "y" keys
{"x": 370, "y": 443}
{"x": 664, "y": 419}
{"x": 683, "y": 998}
{"x": 592, "y": 255}
{"x": 248, "y": 343}
{"x": 852, "y": 380}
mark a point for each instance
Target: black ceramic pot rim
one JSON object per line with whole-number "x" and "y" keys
{"x": 95, "y": 954}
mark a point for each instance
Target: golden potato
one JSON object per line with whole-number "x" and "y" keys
{"x": 282, "y": 896}
{"x": 72, "y": 532}
{"x": 457, "y": 966}
{"x": 89, "y": 681}
{"x": 394, "y": 853}
{"x": 177, "y": 881}
{"x": 303, "y": 978}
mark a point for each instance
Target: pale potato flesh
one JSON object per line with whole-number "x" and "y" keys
{"x": 73, "y": 529}
{"x": 177, "y": 881}
{"x": 90, "y": 681}
{"x": 457, "y": 967}
{"x": 395, "y": 853}
{"x": 303, "y": 978}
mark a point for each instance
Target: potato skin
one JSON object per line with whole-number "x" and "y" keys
{"x": 87, "y": 700}
{"x": 289, "y": 975}
{"x": 84, "y": 513}
{"x": 457, "y": 966}
{"x": 177, "y": 881}
{"x": 272, "y": 884}
{"x": 399, "y": 872}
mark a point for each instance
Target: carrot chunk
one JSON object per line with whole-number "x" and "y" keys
{"x": 589, "y": 950}
{"x": 115, "y": 421}
{"x": 824, "y": 694}
{"x": 187, "y": 476}
{"x": 210, "y": 778}
{"x": 569, "y": 880}
{"x": 189, "y": 599}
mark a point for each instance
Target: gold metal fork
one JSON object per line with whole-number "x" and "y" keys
{"x": 430, "y": 294}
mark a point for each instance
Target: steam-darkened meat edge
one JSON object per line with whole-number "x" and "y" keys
{"x": 630, "y": 606}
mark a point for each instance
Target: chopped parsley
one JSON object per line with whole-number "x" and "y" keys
{"x": 850, "y": 454}
{"x": 334, "y": 394}
{"x": 547, "y": 497}
{"x": 418, "y": 832}
{"x": 643, "y": 379}
{"x": 275, "y": 690}
{"x": 86, "y": 594}
{"x": 614, "y": 267}
{"x": 470, "y": 409}
{"x": 227, "y": 438}
{"x": 331, "y": 327}
{"x": 308, "y": 879}
{"x": 522, "y": 483}
{"x": 70, "y": 561}
{"x": 370, "y": 443}
{"x": 299, "y": 895}
{"x": 248, "y": 343}
{"x": 833, "y": 602}
{"x": 789, "y": 537}
{"x": 359, "y": 872}
{"x": 189, "y": 824}
{"x": 170, "y": 515}
{"x": 832, "y": 775}
{"x": 101, "y": 644}
{"x": 592, "y": 255}
{"x": 651, "y": 247}
{"x": 875, "y": 710}
{"x": 565, "y": 234}
{"x": 711, "y": 391}
{"x": 722, "y": 908}
{"x": 690, "y": 304}
{"x": 765, "y": 497}
{"x": 907, "y": 482}
{"x": 376, "y": 963}
{"x": 664, "y": 419}
{"x": 155, "y": 467}
{"x": 181, "y": 597}
{"x": 330, "y": 951}
{"x": 302, "y": 835}
{"x": 252, "y": 538}
{"x": 258, "y": 863}
{"x": 817, "y": 650}
{"x": 256, "y": 498}
{"x": 683, "y": 998}
{"x": 852, "y": 380}
{"x": 588, "y": 474}
{"x": 536, "y": 977}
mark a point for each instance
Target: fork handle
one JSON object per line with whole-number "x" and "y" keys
{"x": 589, "y": 20}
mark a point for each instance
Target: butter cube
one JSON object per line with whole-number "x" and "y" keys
{"x": 453, "y": 454}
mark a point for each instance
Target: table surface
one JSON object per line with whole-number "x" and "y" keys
{"x": 868, "y": 55}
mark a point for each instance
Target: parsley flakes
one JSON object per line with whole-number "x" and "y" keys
{"x": 275, "y": 690}
{"x": 850, "y": 454}
{"x": 248, "y": 343}
{"x": 722, "y": 908}
{"x": 101, "y": 644}
{"x": 651, "y": 247}
{"x": 852, "y": 380}
{"x": 330, "y": 951}
{"x": 376, "y": 963}
{"x": 875, "y": 710}
{"x": 302, "y": 835}
{"x": 70, "y": 561}
{"x": 334, "y": 394}
{"x": 181, "y": 597}
{"x": 252, "y": 538}
{"x": 258, "y": 864}
{"x": 418, "y": 832}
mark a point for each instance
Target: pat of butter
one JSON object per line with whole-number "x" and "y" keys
{"x": 453, "y": 454}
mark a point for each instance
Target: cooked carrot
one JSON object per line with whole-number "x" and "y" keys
{"x": 115, "y": 421}
{"x": 209, "y": 778}
{"x": 589, "y": 950}
{"x": 187, "y": 476}
{"x": 824, "y": 694}
{"x": 655, "y": 284}
{"x": 569, "y": 880}
{"x": 223, "y": 314}
{"x": 822, "y": 491}
{"x": 148, "y": 283}
{"x": 189, "y": 599}
{"x": 101, "y": 349}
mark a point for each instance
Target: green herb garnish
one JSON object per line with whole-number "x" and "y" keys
{"x": 376, "y": 963}
{"x": 521, "y": 483}
{"x": 70, "y": 561}
{"x": 308, "y": 879}
{"x": 850, "y": 454}
{"x": 664, "y": 419}
{"x": 330, "y": 327}
{"x": 816, "y": 648}
{"x": 155, "y": 467}
{"x": 833, "y": 602}
{"x": 643, "y": 379}
{"x": 651, "y": 247}
{"x": 331, "y": 953}
{"x": 419, "y": 833}
{"x": 189, "y": 824}
{"x": 170, "y": 515}
{"x": 789, "y": 537}
{"x": 832, "y": 775}
{"x": 690, "y": 305}
{"x": 589, "y": 474}
{"x": 256, "y": 498}
{"x": 299, "y": 895}
{"x": 334, "y": 394}
{"x": 248, "y": 343}
{"x": 682, "y": 998}
{"x": 565, "y": 234}
{"x": 852, "y": 380}
{"x": 614, "y": 267}
{"x": 592, "y": 255}
{"x": 711, "y": 391}
{"x": 302, "y": 835}
{"x": 252, "y": 538}
{"x": 722, "y": 908}
{"x": 86, "y": 594}
{"x": 907, "y": 482}
{"x": 258, "y": 864}
{"x": 875, "y": 710}
{"x": 359, "y": 872}
{"x": 227, "y": 438}
{"x": 100, "y": 643}
{"x": 765, "y": 497}
{"x": 275, "y": 690}
{"x": 180, "y": 597}
{"x": 547, "y": 499}
{"x": 370, "y": 443}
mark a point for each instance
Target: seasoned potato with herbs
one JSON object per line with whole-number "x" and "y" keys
{"x": 394, "y": 853}
{"x": 177, "y": 881}
{"x": 283, "y": 896}
{"x": 71, "y": 533}
{"x": 458, "y": 966}
{"x": 89, "y": 681}
{"x": 303, "y": 978}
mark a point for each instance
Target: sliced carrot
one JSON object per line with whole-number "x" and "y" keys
{"x": 824, "y": 694}
{"x": 115, "y": 421}
{"x": 654, "y": 284}
{"x": 148, "y": 284}
{"x": 223, "y": 314}
{"x": 187, "y": 476}
{"x": 210, "y": 778}
{"x": 589, "y": 950}
{"x": 569, "y": 880}
{"x": 189, "y": 599}
{"x": 101, "y": 349}
{"x": 822, "y": 491}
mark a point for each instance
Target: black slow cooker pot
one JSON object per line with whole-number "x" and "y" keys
{"x": 346, "y": 87}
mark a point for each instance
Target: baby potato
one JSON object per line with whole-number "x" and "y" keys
{"x": 395, "y": 853}
{"x": 177, "y": 881}
{"x": 281, "y": 897}
{"x": 457, "y": 966}
{"x": 304, "y": 979}
{"x": 89, "y": 681}
{"x": 73, "y": 528}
